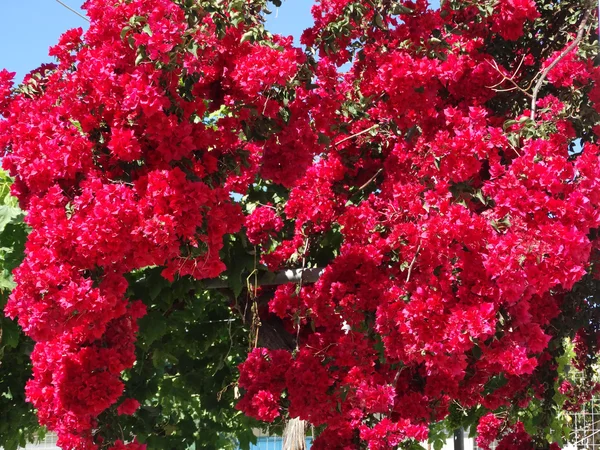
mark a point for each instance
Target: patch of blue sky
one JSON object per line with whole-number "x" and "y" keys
{"x": 29, "y": 29}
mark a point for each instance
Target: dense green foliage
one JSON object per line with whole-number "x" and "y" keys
{"x": 18, "y": 423}
{"x": 189, "y": 346}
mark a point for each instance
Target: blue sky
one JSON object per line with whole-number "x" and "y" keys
{"x": 291, "y": 18}
{"x": 27, "y": 32}
{"x": 28, "y": 29}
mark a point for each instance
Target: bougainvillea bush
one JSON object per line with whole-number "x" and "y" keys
{"x": 436, "y": 168}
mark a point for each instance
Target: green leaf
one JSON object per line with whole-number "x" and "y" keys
{"x": 378, "y": 19}
{"x": 7, "y": 215}
{"x": 324, "y": 139}
{"x": 6, "y": 282}
{"x": 247, "y": 36}
{"x": 124, "y": 31}
{"x": 10, "y": 333}
{"x": 153, "y": 326}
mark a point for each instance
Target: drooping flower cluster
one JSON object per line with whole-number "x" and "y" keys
{"x": 120, "y": 166}
{"x": 461, "y": 227}
{"x": 451, "y": 222}
{"x": 487, "y": 430}
{"x": 262, "y": 224}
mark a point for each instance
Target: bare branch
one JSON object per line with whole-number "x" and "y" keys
{"x": 412, "y": 263}
{"x": 510, "y": 79}
{"x": 364, "y": 186}
{"x": 552, "y": 65}
{"x": 357, "y": 134}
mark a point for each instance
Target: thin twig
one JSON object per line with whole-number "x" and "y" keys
{"x": 495, "y": 66}
{"x": 511, "y": 79}
{"x": 73, "y": 10}
{"x": 357, "y": 134}
{"x": 304, "y": 256}
{"x": 364, "y": 186}
{"x": 509, "y": 90}
{"x": 519, "y": 66}
{"x": 400, "y": 369}
{"x": 569, "y": 49}
{"x": 323, "y": 349}
{"x": 230, "y": 345}
{"x": 412, "y": 263}
{"x": 266, "y": 102}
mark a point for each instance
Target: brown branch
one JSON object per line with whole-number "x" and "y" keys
{"x": 412, "y": 263}
{"x": 357, "y": 134}
{"x": 511, "y": 79}
{"x": 364, "y": 186}
{"x": 552, "y": 65}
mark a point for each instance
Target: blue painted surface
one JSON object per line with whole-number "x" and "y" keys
{"x": 273, "y": 443}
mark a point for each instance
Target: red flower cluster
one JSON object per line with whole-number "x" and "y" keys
{"x": 461, "y": 230}
{"x": 454, "y": 227}
{"x": 262, "y": 376}
{"x": 120, "y": 166}
{"x": 511, "y": 17}
{"x": 128, "y": 407}
{"x": 262, "y": 224}
{"x": 487, "y": 431}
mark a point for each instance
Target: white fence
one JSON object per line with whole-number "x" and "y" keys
{"x": 48, "y": 443}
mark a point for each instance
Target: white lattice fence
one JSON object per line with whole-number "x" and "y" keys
{"x": 586, "y": 427}
{"x": 48, "y": 443}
